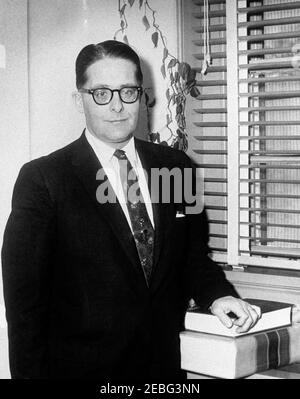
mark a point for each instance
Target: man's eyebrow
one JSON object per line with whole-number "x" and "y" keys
{"x": 105, "y": 86}
{"x": 130, "y": 85}
{"x": 100, "y": 86}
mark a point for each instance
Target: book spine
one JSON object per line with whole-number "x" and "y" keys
{"x": 266, "y": 350}
{"x": 243, "y": 356}
{"x": 273, "y": 349}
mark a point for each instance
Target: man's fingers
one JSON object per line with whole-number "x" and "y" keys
{"x": 226, "y": 320}
{"x": 257, "y": 310}
{"x": 246, "y": 315}
{"x": 248, "y": 318}
{"x": 244, "y": 323}
{"x": 255, "y": 313}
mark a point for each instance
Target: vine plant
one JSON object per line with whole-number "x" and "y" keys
{"x": 180, "y": 76}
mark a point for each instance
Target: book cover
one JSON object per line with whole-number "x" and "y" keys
{"x": 231, "y": 358}
{"x": 273, "y": 315}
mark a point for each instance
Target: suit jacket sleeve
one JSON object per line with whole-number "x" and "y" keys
{"x": 205, "y": 279}
{"x": 26, "y": 256}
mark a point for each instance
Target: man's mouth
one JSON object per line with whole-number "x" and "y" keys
{"x": 118, "y": 120}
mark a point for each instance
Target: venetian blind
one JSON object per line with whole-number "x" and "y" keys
{"x": 269, "y": 140}
{"x": 207, "y": 114}
{"x": 251, "y": 170}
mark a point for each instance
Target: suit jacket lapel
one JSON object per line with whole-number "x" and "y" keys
{"x": 86, "y": 165}
{"x": 163, "y": 214}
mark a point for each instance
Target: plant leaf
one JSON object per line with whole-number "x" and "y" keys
{"x": 194, "y": 92}
{"x": 184, "y": 144}
{"x": 122, "y": 24}
{"x": 179, "y": 133}
{"x": 172, "y": 63}
{"x": 183, "y": 70}
{"x": 141, "y": 3}
{"x": 186, "y": 72}
{"x": 163, "y": 71}
{"x": 179, "y": 109}
{"x": 190, "y": 84}
{"x": 146, "y": 22}
{"x": 131, "y": 2}
{"x": 155, "y": 38}
{"x": 153, "y": 102}
{"x": 176, "y": 145}
{"x": 176, "y": 77}
{"x": 168, "y": 95}
{"x": 172, "y": 78}
{"x": 153, "y": 137}
{"x": 169, "y": 120}
{"x": 191, "y": 75}
{"x": 123, "y": 9}
{"x": 166, "y": 53}
{"x": 180, "y": 69}
{"x": 125, "y": 39}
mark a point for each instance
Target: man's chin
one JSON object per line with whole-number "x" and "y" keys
{"x": 119, "y": 140}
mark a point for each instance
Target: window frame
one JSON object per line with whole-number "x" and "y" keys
{"x": 233, "y": 258}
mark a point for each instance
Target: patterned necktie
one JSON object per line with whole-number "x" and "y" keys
{"x": 143, "y": 231}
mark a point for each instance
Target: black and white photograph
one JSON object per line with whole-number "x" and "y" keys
{"x": 150, "y": 192}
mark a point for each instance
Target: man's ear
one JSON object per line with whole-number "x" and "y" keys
{"x": 77, "y": 98}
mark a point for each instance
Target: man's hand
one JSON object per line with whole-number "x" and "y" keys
{"x": 247, "y": 315}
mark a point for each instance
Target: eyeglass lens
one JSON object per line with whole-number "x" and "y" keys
{"x": 104, "y": 95}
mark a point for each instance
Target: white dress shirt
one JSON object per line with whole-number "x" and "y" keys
{"x": 110, "y": 164}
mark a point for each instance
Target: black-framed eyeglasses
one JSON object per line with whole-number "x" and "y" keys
{"x": 103, "y": 95}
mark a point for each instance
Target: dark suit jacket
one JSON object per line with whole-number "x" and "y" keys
{"x": 77, "y": 302}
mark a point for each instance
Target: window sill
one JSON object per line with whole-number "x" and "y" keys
{"x": 285, "y": 288}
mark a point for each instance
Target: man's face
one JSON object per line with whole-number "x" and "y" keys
{"x": 113, "y": 123}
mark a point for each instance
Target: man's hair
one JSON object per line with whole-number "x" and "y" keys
{"x": 107, "y": 49}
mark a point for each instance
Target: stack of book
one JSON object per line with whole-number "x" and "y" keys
{"x": 208, "y": 347}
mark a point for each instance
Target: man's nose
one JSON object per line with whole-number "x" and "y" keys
{"x": 116, "y": 103}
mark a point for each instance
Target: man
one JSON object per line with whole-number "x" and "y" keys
{"x": 95, "y": 288}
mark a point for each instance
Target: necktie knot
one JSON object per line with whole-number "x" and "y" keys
{"x": 120, "y": 154}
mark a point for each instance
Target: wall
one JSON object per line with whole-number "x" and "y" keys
{"x": 14, "y": 126}
{"x": 57, "y": 32}
{"x": 42, "y": 39}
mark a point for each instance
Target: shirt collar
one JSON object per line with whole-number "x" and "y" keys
{"x": 105, "y": 152}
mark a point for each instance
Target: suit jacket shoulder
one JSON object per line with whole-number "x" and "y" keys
{"x": 164, "y": 155}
